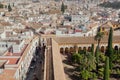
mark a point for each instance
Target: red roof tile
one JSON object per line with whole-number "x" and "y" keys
{"x": 11, "y": 60}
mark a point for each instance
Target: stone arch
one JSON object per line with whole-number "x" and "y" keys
{"x": 89, "y": 49}
{"x": 76, "y": 49}
{"x": 61, "y": 50}
{"x": 66, "y": 50}
{"x": 102, "y": 49}
{"x": 71, "y": 49}
{"x": 84, "y": 48}
{"x": 116, "y": 48}
{"x": 105, "y": 47}
{"x": 79, "y": 49}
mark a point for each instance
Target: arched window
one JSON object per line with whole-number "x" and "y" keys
{"x": 66, "y": 50}
{"x": 102, "y": 49}
{"x": 89, "y": 49}
{"x": 79, "y": 49}
{"x": 71, "y": 49}
{"x": 61, "y": 50}
{"x": 84, "y": 48}
{"x": 116, "y": 48}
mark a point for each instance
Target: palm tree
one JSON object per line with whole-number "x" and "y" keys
{"x": 98, "y": 37}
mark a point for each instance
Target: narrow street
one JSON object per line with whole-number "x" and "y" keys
{"x": 36, "y": 66}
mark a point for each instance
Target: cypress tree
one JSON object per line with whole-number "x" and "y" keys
{"x": 9, "y": 8}
{"x": 97, "y": 57}
{"x": 92, "y": 49}
{"x": 1, "y": 5}
{"x": 63, "y": 7}
{"x": 109, "y": 51}
{"x": 13, "y": 4}
{"x": 106, "y": 69}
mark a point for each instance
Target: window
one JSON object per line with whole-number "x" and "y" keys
{"x": 36, "y": 43}
{"x": 6, "y": 45}
{"x": 3, "y": 45}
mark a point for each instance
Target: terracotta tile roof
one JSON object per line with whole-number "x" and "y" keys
{"x": 17, "y": 54}
{"x": 8, "y": 74}
{"x": 2, "y": 10}
{"x": 12, "y": 54}
{"x": 8, "y": 54}
{"x": 83, "y": 40}
{"x": 11, "y": 60}
{"x": 92, "y": 25}
{"x": 52, "y": 11}
{"x": 20, "y": 30}
{"x": 105, "y": 25}
{"x": 5, "y": 24}
{"x": 115, "y": 23}
{"x": 34, "y": 25}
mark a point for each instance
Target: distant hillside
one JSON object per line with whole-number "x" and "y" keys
{"x": 114, "y": 5}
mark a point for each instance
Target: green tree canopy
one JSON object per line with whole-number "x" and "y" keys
{"x": 9, "y": 8}
{"x": 1, "y": 5}
{"x": 98, "y": 37}
{"x": 76, "y": 58}
{"x": 114, "y": 5}
{"x": 92, "y": 49}
{"x": 63, "y": 7}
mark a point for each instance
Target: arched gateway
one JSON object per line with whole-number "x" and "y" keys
{"x": 67, "y": 44}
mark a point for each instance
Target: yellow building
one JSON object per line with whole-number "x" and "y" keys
{"x": 106, "y": 26}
